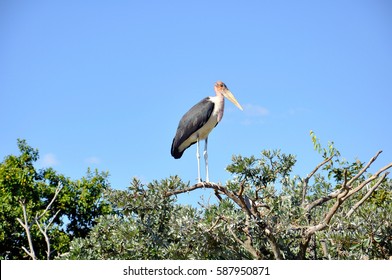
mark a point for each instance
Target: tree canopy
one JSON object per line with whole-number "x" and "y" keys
{"x": 337, "y": 211}
{"x": 42, "y": 211}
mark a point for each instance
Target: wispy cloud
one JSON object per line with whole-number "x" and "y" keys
{"x": 254, "y": 114}
{"x": 92, "y": 160}
{"x": 298, "y": 110}
{"x": 49, "y": 160}
{"x": 253, "y": 110}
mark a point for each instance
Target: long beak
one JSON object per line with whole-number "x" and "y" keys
{"x": 230, "y": 96}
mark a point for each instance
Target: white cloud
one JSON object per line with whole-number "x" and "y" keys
{"x": 252, "y": 110}
{"x": 92, "y": 160}
{"x": 49, "y": 160}
{"x": 254, "y": 114}
{"x": 252, "y": 121}
{"x": 297, "y": 111}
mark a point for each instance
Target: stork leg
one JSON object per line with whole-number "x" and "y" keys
{"x": 206, "y": 160}
{"x": 198, "y": 162}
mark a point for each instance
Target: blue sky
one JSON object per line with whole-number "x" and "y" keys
{"x": 103, "y": 84}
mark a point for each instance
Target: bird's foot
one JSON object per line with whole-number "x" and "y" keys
{"x": 200, "y": 181}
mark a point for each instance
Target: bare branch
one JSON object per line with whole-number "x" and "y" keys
{"x": 192, "y": 188}
{"x": 249, "y": 211}
{"x": 323, "y": 224}
{"x": 47, "y": 240}
{"x": 246, "y": 245}
{"x": 28, "y": 252}
{"x": 344, "y": 185}
{"x": 310, "y": 175}
{"x": 322, "y": 200}
{"x": 58, "y": 189}
{"x": 363, "y": 170}
{"x": 347, "y": 185}
{"x": 274, "y": 244}
{"x": 367, "y": 181}
{"x": 44, "y": 232}
{"x": 359, "y": 203}
{"x": 218, "y": 195}
{"x": 325, "y": 249}
{"x": 342, "y": 195}
{"x": 26, "y": 227}
{"x": 217, "y": 188}
{"x": 214, "y": 225}
{"x": 241, "y": 188}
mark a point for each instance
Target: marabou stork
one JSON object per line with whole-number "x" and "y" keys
{"x": 198, "y": 122}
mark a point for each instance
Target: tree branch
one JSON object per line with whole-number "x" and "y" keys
{"x": 359, "y": 203}
{"x": 241, "y": 202}
{"x": 28, "y": 252}
{"x": 57, "y": 191}
{"x": 214, "y": 225}
{"x": 341, "y": 195}
{"x": 346, "y": 193}
{"x": 26, "y": 227}
{"x": 321, "y": 200}
{"x": 325, "y": 249}
{"x": 246, "y": 245}
{"x": 44, "y": 232}
{"x": 363, "y": 170}
{"x": 241, "y": 188}
{"x": 216, "y": 187}
{"x": 310, "y": 175}
{"x": 348, "y": 184}
{"x": 367, "y": 181}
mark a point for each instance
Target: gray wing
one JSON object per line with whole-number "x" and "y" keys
{"x": 194, "y": 119}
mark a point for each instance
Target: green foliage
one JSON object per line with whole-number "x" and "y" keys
{"x": 337, "y": 211}
{"x": 82, "y": 202}
{"x": 72, "y": 213}
{"x": 263, "y": 212}
{"x": 325, "y": 152}
{"x": 150, "y": 225}
{"x": 368, "y": 233}
{"x": 260, "y": 172}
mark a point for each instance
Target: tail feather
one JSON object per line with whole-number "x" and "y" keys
{"x": 175, "y": 151}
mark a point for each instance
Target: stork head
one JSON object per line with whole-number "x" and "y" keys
{"x": 221, "y": 88}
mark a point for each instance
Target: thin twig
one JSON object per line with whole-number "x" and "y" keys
{"x": 58, "y": 189}
{"x": 364, "y": 168}
{"x": 310, "y": 175}
{"x": 214, "y": 225}
{"x": 28, "y": 252}
{"x": 347, "y": 185}
{"x": 359, "y": 203}
{"x": 44, "y": 232}
{"x": 322, "y": 200}
{"x": 251, "y": 212}
{"x": 341, "y": 195}
{"x": 247, "y": 246}
{"x": 241, "y": 188}
{"x": 26, "y": 225}
{"x": 367, "y": 181}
